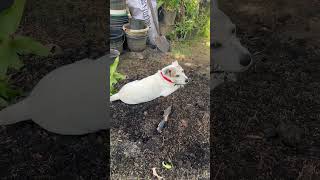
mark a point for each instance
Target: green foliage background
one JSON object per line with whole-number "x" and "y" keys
{"x": 193, "y": 21}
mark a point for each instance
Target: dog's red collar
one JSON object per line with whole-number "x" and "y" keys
{"x": 165, "y": 78}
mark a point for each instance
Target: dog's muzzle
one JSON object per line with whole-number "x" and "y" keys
{"x": 186, "y": 82}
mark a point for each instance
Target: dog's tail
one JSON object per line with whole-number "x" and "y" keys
{"x": 15, "y": 113}
{"x": 114, "y": 97}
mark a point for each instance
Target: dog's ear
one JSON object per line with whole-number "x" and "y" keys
{"x": 175, "y": 63}
{"x": 170, "y": 72}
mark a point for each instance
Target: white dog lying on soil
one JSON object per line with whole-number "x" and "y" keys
{"x": 70, "y": 100}
{"x": 162, "y": 83}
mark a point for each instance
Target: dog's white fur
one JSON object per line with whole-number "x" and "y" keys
{"x": 228, "y": 56}
{"x": 153, "y": 86}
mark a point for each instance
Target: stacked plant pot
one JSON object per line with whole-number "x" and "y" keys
{"x": 118, "y": 17}
{"x": 136, "y": 34}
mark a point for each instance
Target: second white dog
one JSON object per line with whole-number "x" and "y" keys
{"x": 162, "y": 83}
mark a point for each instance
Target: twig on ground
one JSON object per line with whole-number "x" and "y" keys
{"x": 165, "y": 119}
{"x": 215, "y": 177}
{"x": 154, "y": 172}
{"x": 254, "y": 137}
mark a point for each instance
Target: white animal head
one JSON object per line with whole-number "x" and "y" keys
{"x": 227, "y": 52}
{"x": 175, "y": 73}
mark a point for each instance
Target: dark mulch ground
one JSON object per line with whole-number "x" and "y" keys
{"x": 26, "y": 150}
{"x": 267, "y": 125}
{"x": 136, "y": 146}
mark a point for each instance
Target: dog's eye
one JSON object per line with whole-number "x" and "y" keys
{"x": 177, "y": 75}
{"x": 216, "y": 45}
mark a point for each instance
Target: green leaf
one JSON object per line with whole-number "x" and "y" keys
{"x": 15, "y": 61}
{"x": 3, "y": 102}
{"x": 5, "y": 58}
{"x": 6, "y": 91}
{"x": 27, "y": 45}
{"x": 3, "y": 89}
{"x": 114, "y": 76}
{"x": 113, "y": 81}
{"x": 11, "y": 17}
{"x": 114, "y": 66}
{"x": 119, "y": 76}
{"x": 112, "y": 90}
{"x": 167, "y": 165}
{"x": 8, "y": 58}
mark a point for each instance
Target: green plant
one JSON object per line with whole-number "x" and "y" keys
{"x": 193, "y": 21}
{"x": 11, "y": 45}
{"x": 7, "y": 93}
{"x": 203, "y": 23}
{"x": 115, "y": 76}
{"x": 171, "y": 5}
{"x": 184, "y": 28}
{"x": 189, "y": 20}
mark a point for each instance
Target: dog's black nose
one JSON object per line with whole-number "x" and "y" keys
{"x": 187, "y": 80}
{"x": 245, "y": 60}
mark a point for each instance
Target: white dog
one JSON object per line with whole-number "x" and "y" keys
{"x": 70, "y": 100}
{"x": 162, "y": 83}
{"x": 228, "y": 55}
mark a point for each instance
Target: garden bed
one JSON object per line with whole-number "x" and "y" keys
{"x": 266, "y": 125}
{"x": 136, "y": 146}
{"x": 26, "y": 150}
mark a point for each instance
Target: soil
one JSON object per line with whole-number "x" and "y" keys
{"x": 78, "y": 30}
{"x": 137, "y": 147}
{"x": 267, "y": 124}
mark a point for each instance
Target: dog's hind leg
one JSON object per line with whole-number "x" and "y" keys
{"x": 114, "y": 97}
